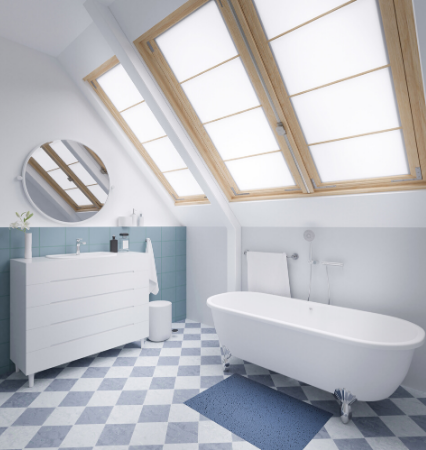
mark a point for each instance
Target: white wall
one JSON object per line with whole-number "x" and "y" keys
{"x": 39, "y": 103}
{"x": 206, "y": 266}
{"x": 383, "y": 273}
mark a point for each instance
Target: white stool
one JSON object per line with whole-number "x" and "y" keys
{"x": 160, "y": 320}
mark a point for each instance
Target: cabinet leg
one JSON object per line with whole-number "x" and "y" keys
{"x": 31, "y": 380}
{"x": 16, "y": 368}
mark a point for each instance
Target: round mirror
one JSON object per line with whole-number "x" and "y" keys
{"x": 66, "y": 181}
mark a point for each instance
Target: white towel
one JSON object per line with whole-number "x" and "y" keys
{"x": 153, "y": 282}
{"x": 268, "y": 273}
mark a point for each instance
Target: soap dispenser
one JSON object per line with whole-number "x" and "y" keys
{"x": 113, "y": 245}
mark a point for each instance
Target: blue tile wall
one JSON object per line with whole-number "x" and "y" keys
{"x": 169, "y": 245}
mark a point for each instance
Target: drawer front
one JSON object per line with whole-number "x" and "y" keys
{"x": 44, "y": 316}
{"x": 73, "y": 330}
{"x": 57, "y": 291}
{"x": 47, "y": 270}
{"x": 70, "y": 351}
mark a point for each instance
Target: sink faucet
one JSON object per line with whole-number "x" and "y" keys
{"x": 79, "y": 242}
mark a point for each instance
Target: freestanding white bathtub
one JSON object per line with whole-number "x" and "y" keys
{"x": 326, "y": 346}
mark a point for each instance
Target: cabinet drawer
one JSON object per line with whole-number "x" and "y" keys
{"x": 46, "y": 270}
{"x": 71, "y": 330}
{"x": 57, "y": 291}
{"x": 43, "y": 316}
{"x": 80, "y": 348}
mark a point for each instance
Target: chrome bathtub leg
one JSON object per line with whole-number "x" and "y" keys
{"x": 226, "y": 356}
{"x": 346, "y": 400}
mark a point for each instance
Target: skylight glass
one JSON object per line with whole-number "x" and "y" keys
{"x": 62, "y": 151}
{"x": 279, "y": 16}
{"x": 344, "y": 43}
{"x": 119, "y": 88}
{"x": 82, "y": 174}
{"x": 244, "y": 134}
{"x": 222, "y": 91}
{"x": 79, "y": 197}
{"x": 376, "y": 155}
{"x": 164, "y": 154}
{"x": 45, "y": 161}
{"x": 143, "y": 123}
{"x": 197, "y": 43}
{"x": 360, "y": 105}
{"x": 62, "y": 179}
{"x": 261, "y": 172}
{"x": 184, "y": 183}
{"x": 99, "y": 193}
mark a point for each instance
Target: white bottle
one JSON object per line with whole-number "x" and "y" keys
{"x": 134, "y": 218}
{"x": 140, "y": 220}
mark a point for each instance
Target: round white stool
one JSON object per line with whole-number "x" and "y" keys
{"x": 160, "y": 320}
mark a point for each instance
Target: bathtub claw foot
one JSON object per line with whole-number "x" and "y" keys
{"x": 226, "y": 356}
{"x": 346, "y": 400}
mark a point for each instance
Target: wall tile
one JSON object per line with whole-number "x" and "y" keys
{"x": 4, "y": 331}
{"x": 158, "y": 265}
{"x": 4, "y": 260}
{"x": 180, "y": 293}
{"x": 4, "y": 307}
{"x": 153, "y": 297}
{"x": 4, "y": 238}
{"x": 168, "y": 264}
{"x": 99, "y": 248}
{"x": 4, "y": 284}
{"x": 154, "y": 233}
{"x": 73, "y": 233}
{"x": 179, "y": 310}
{"x": 52, "y": 237}
{"x": 58, "y": 250}
{"x": 138, "y": 234}
{"x": 168, "y": 280}
{"x": 99, "y": 235}
{"x": 137, "y": 247}
{"x": 5, "y": 354}
{"x": 16, "y": 253}
{"x": 73, "y": 248}
{"x": 181, "y": 233}
{"x": 160, "y": 280}
{"x": 181, "y": 262}
{"x": 17, "y": 238}
{"x": 180, "y": 247}
{"x": 156, "y": 246}
{"x": 169, "y": 294}
{"x": 168, "y": 234}
{"x": 180, "y": 278}
{"x": 168, "y": 248}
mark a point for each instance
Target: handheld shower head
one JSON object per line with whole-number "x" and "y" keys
{"x": 309, "y": 235}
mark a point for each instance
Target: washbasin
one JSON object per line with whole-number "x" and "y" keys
{"x": 83, "y": 255}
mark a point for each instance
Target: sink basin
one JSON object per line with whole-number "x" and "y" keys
{"x": 83, "y": 255}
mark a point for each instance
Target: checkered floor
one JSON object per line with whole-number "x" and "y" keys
{"x": 128, "y": 398}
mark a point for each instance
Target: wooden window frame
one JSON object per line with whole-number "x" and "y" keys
{"x": 401, "y": 41}
{"x": 92, "y": 80}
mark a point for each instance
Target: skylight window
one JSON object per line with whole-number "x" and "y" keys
{"x": 286, "y": 98}
{"x": 133, "y": 114}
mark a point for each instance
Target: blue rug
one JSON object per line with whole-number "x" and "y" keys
{"x": 266, "y": 418}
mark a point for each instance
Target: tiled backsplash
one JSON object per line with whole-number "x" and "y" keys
{"x": 169, "y": 245}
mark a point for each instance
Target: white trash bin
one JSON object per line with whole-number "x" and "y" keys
{"x": 160, "y": 320}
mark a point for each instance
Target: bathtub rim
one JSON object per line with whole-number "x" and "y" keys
{"x": 406, "y": 345}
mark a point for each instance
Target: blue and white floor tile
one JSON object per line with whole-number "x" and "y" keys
{"x": 132, "y": 399}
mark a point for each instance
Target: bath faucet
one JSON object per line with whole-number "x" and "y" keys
{"x": 79, "y": 242}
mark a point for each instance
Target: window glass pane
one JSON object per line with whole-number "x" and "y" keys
{"x": 196, "y": 43}
{"x": 347, "y": 42}
{"x": 183, "y": 182}
{"x": 63, "y": 153}
{"x": 245, "y": 134}
{"x": 360, "y": 105}
{"x": 79, "y": 197}
{"x": 99, "y": 193}
{"x": 45, "y": 161}
{"x": 279, "y": 16}
{"x": 221, "y": 91}
{"x": 143, "y": 123}
{"x": 120, "y": 89}
{"x": 164, "y": 154}
{"x": 260, "y": 172}
{"x": 82, "y": 173}
{"x": 62, "y": 179}
{"x": 376, "y": 155}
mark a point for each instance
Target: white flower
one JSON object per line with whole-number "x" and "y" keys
{"x": 23, "y": 222}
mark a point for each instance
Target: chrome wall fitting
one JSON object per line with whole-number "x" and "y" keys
{"x": 346, "y": 400}
{"x": 226, "y": 356}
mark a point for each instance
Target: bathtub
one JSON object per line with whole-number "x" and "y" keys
{"x": 328, "y": 347}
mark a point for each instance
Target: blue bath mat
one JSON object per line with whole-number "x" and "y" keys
{"x": 266, "y": 418}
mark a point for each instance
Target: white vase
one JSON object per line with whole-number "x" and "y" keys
{"x": 28, "y": 245}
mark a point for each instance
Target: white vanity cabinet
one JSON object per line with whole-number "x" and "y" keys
{"x": 65, "y": 309}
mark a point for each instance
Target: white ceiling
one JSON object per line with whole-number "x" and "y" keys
{"x": 48, "y": 26}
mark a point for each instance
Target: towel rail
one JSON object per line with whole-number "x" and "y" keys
{"x": 294, "y": 256}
